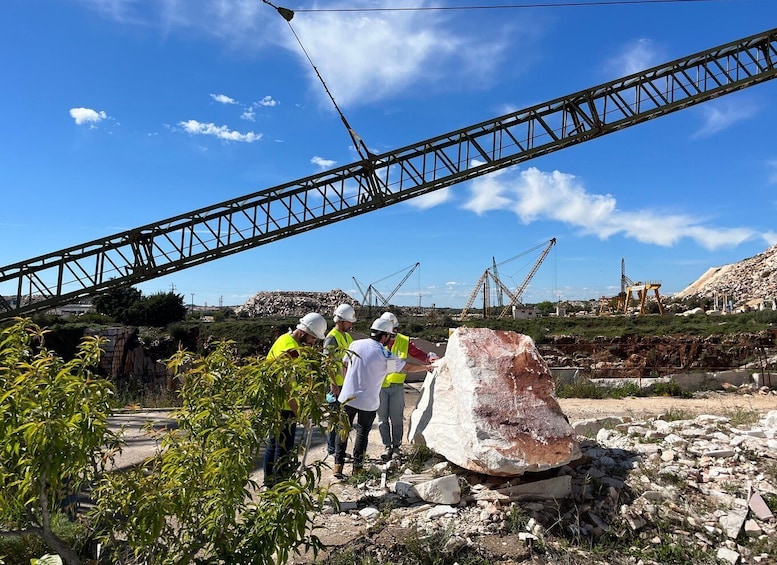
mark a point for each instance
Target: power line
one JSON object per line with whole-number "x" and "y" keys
{"x": 582, "y": 3}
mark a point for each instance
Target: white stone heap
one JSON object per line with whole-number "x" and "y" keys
{"x": 489, "y": 407}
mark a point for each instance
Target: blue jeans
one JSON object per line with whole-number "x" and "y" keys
{"x": 391, "y": 414}
{"x": 364, "y": 419}
{"x": 279, "y": 456}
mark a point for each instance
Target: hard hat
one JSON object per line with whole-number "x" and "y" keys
{"x": 314, "y": 324}
{"x": 391, "y": 318}
{"x": 345, "y": 312}
{"x": 382, "y": 325}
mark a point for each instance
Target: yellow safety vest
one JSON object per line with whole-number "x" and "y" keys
{"x": 400, "y": 348}
{"x": 283, "y": 344}
{"x": 343, "y": 339}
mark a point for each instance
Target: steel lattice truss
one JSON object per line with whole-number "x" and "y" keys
{"x": 222, "y": 229}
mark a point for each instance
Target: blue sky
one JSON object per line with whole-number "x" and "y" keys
{"x": 120, "y": 113}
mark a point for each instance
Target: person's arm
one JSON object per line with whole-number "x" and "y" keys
{"x": 417, "y": 355}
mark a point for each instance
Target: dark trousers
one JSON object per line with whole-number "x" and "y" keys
{"x": 279, "y": 455}
{"x": 361, "y": 422}
{"x": 331, "y": 436}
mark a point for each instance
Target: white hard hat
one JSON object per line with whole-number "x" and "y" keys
{"x": 313, "y": 324}
{"x": 382, "y": 325}
{"x": 391, "y": 318}
{"x": 345, "y": 312}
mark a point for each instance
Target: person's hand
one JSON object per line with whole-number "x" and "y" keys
{"x": 431, "y": 357}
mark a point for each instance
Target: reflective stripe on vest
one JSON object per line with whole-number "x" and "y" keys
{"x": 400, "y": 348}
{"x": 343, "y": 341}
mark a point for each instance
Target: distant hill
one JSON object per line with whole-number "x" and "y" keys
{"x": 747, "y": 282}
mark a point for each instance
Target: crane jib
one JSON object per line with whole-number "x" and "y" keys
{"x": 246, "y": 222}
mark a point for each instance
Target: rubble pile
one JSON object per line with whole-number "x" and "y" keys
{"x": 749, "y": 281}
{"x": 663, "y": 490}
{"x": 294, "y": 303}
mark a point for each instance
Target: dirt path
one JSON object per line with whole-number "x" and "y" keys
{"x": 718, "y": 403}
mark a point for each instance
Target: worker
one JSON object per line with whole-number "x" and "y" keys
{"x": 277, "y": 463}
{"x": 365, "y": 364}
{"x": 336, "y": 342}
{"x": 391, "y": 412}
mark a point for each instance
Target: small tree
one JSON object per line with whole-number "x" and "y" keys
{"x": 117, "y": 302}
{"x": 196, "y": 497}
{"x": 54, "y": 435}
{"x": 157, "y": 310}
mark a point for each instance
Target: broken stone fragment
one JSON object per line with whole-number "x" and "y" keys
{"x": 489, "y": 407}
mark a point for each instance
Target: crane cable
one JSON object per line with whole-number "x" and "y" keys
{"x": 361, "y": 148}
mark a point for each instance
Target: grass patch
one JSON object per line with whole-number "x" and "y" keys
{"x": 419, "y": 455}
{"x": 582, "y": 387}
{"x": 671, "y": 388}
{"x": 675, "y": 414}
{"x": 740, "y": 416}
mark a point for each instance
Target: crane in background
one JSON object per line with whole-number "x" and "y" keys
{"x": 626, "y": 295}
{"x": 642, "y": 289}
{"x": 483, "y": 286}
{"x": 371, "y": 295}
{"x": 519, "y": 291}
{"x": 377, "y": 181}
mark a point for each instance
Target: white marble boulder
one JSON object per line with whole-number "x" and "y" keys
{"x": 490, "y": 407}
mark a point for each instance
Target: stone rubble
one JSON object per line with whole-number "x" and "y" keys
{"x": 752, "y": 282}
{"x": 707, "y": 484}
{"x": 294, "y": 303}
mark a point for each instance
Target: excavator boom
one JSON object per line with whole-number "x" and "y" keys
{"x": 222, "y": 229}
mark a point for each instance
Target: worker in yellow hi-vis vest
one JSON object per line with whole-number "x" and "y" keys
{"x": 392, "y": 395}
{"x": 337, "y": 340}
{"x": 278, "y": 464}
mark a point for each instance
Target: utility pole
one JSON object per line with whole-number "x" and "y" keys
{"x": 192, "y": 303}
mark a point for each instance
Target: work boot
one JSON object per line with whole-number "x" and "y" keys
{"x": 338, "y": 471}
{"x": 387, "y": 453}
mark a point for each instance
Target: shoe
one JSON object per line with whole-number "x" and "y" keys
{"x": 387, "y": 453}
{"x": 396, "y": 453}
{"x": 338, "y": 472}
{"x": 357, "y": 469}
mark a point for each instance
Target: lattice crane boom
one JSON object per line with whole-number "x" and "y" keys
{"x": 246, "y": 222}
{"x": 519, "y": 291}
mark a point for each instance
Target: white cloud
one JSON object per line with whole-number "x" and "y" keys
{"x": 771, "y": 167}
{"x": 770, "y": 238}
{"x": 267, "y": 101}
{"x": 221, "y": 132}
{"x": 535, "y": 195}
{"x": 637, "y": 56}
{"x": 322, "y": 163}
{"x": 87, "y": 116}
{"x": 396, "y": 51}
{"x": 223, "y": 99}
{"x": 431, "y": 199}
{"x": 487, "y": 193}
{"x": 721, "y": 114}
{"x": 249, "y": 115}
